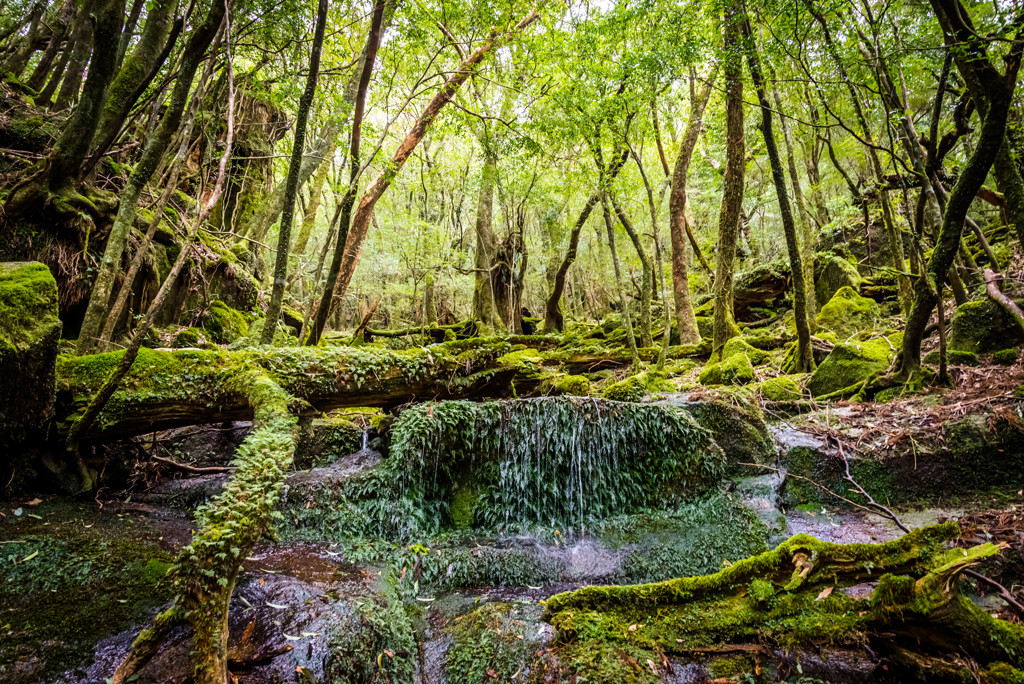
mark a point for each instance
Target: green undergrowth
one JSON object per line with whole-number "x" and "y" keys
{"x": 490, "y": 643}
{"x": 64, "y": 593}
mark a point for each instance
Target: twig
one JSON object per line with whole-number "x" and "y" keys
{"x": 192, "y": 469}
{"x": 1004, "y": 593}
{"x": 860, "y": 490}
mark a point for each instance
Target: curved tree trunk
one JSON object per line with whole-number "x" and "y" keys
{"x": 678, "y": 221}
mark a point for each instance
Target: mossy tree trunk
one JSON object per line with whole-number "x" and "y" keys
{"x": 134, "y": 75}
{"x": 57, "y": 33}
{"x": 804, "y": 359}
{"x": 99, "y": 298}
{"x": 974, "y": 65}
{"x": 678, "y": 221}
{"x": 81, "y": 38}
{"x": 486, "y": 243}
{"x": 292, "y": 186}
{"x": 735, "y": 170}
{"x": 647, "y": 277}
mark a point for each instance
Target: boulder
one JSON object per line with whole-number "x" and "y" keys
{"x": 29, "y": 332}
{"x": 847, "y": 313}
{"x": 735, "y": 370}
{"x": 832, "y": 274}
{"x": 849, "y": 364}
{"x": 981, "y": 327}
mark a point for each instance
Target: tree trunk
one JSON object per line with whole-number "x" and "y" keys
{"x": 81, "y": 49}
{"x": 973, "y": 64}
{"x": 136, "y": 72}
{"x": 486, "y": 244}
{"x": 18, "y": 59}
{"x": 804, "y": 355}
{"x": 647, "y": 279}
{"x": 99, "y": 299}
{"x": 284, "y": 238}
{"x": 735, "y": 170}
{"x": 678, "y": 221}
{"x": 316, "y": 193}
{"x": 57, "y": 33}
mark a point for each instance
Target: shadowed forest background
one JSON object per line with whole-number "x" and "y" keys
{"x": 460, "y": 324}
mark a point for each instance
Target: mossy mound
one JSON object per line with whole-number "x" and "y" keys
{"x": 29, "y": 332}
{"x": 850, "y": 364}
{"x": 1006, "y": 357}
{"x": 953, "y": 358}
{"x": 833, "y": 273}
{"x": 739, "y": 345}
{"x": 847, "y": 313}
{"x": 571, "y": 385}
{"x": 633, "y": 388}
{"x": 225, "y": 324}
{"x": 62, "y": 594}
{"x": 735, "y": 370}
{"x": 981, "y": 327}
{"x": 189, "y": 337}
{"x": 782, "y": 388}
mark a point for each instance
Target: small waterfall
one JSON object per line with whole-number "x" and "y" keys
{"x": 552, "y": 462}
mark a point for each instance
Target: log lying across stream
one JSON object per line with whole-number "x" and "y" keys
{"x": 175, "y": 388}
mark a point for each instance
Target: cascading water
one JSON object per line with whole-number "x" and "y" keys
{"x": 557, "y": 462}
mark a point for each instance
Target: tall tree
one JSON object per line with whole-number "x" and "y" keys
{"x": 292, "y": 187}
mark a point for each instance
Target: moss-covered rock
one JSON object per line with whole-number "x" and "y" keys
{"x": 847, "y": 313}
{"x": 633, "y": 388}
{"x": 832, "y": 274}
{"x": 189, "y": 337}
{"x": 571, "y": 385}
{"x": 740, "y": 431}
{"x": 29, "y": 332}
{"x": 782, "y": 388}
{"x": 981, "y": 327}
{"x": 1006, "y": 357}
{"x": 953, "y": 358}
{"x": 735, "y": 370}
{"x": 739, "y": 345}
{"x": 225, "y": 324}
{"x": 850, "y": 364}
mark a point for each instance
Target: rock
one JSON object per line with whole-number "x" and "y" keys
{"x": 847, "y": 313}
{"x": 225, "y": 324}
{"x": 29, "y": 332}
{"x": 849, "y": 364}
{"x": 782, "y": 388}
{"x": 1006, "y": 357}
{"x": 325, "y": 440}
{"x": 741, "y": 433}
{"x": 832, "y": 273}
{"x": 735, "y": 370}
{"x": 981, "y": 327}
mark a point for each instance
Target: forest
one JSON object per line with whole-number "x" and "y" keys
{"x": 547, "y": 341}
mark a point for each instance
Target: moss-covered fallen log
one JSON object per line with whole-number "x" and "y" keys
{"x": 796, "y": 599}
{"x": 173, "y": 388}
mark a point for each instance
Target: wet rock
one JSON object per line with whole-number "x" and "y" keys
{"x": 324, "y": 440}
{"x": 29, "y": 331}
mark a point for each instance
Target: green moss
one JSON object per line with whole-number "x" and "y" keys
{"x": 225, "y": 324}
{"x": 847, "y": 313}
{"x": 633, "y": 388}
{"x": 735, "y": 370}
{"x": 982, "y": 326}
{"x": 953, "y": 358}
{"x": 739, "y": 345}
{"x": 323, "y": 441}
{"x": 848, "y": 365}
{"x": 781, "y": 388}
{"x": 571, "y": 385}
{"x": 488, "y": 644}
{"x": 463, "y": 505}
{"x": 833, "y": 273}
{"x": 1006, "y": 357}
{"x": 189, "y": 337}
{"x": 63, "y": 594}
